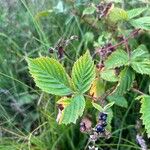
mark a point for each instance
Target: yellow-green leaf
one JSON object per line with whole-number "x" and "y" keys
{"x": 145, "y": 111}
{"x": 49, "y": 75}
{"x": 83, "y": 73}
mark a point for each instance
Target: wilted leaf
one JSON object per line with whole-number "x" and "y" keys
{"x": 98, "y": 88}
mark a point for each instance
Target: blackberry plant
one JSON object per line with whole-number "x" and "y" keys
{"x": 105, "y": 74}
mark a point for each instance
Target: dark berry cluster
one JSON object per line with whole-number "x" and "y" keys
{"x": 100, "y": 127}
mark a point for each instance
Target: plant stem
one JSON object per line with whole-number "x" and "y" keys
{"x": 138, "y": 91}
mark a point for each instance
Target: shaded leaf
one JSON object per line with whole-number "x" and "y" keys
{"x": 50, "y": 76}
{"x": 125, "y": 83}
{"x": 118, "y": 100}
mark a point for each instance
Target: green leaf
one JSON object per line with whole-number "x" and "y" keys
{"x": 50, "y": 76}
{"x": 143, "y": 23}
{"x": 98, "y": 107}
{"x": 108, "y": 106}
{"x": 135, "y": 12}
{"x": 117, "y": 59}
{"x": 142, "y": 67}
{"x": 140, "y": 52}
{"x": 73, "y": 110}
{"x": 83, "y": 73}
{"x": 118, "y": 14}
{"x": 140, "y": 60}
{"x": 109, "y": 119}
{"x": 125, "y": 83}
{"x": 89, "y": 10}
{"x": 118, "y": 100}
{"x": 145, "y": 110}
{"x": 109, "y": 75}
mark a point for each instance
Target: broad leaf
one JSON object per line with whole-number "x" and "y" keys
{"x": 135, "y": 12}
{"x": 119, "y": 100}
{"x": 117, "y": 59}
{"x": 118, "y": 14}
{"x": 83, "y": 73}
{"x": 98, "y": 88}
{"x": 109, "y": 75}
{"x": 140, "y": 60}
{"x": 140, "y": 53}
{"x": 142, "y": 67}
{"x": 73, "y": 110}
{"x": 50, "y": 76}
{"x": 143, "y": 23}
{"x": 145, "y": 110}
{"x": 125, "y": 83}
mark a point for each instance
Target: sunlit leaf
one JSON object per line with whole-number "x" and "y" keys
{"x": 50, "y": 76}
{"x": 145, "y": 111}
{"x": 83, "y": 73}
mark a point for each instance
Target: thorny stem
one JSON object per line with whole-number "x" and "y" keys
{"x": 124, "y": 41}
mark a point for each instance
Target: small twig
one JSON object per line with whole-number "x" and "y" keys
{"x": 137, "y": 91}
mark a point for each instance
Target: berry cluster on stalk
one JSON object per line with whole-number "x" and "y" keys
{"x": 100, "y": 127}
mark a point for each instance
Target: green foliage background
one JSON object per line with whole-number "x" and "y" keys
{"x": 28, "y": 28}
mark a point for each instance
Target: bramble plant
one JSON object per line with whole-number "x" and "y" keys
{"x": 103, "y": 76}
